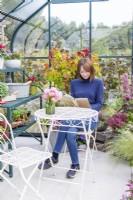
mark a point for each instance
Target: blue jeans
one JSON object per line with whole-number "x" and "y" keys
{"x": 68, "y": 134}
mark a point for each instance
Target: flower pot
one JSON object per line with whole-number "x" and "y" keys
{"x": 1, "y": 63}
{"x": 22, "y": 89}
{"x": 50, "y": 109}
{"x": 102, "y": 127}
{"x": 33, "y": 89}
{"x": 12, "y": 63}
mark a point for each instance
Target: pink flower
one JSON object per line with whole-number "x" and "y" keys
{"x": 45, "y": 96}
{"x": 2, "y": 46}
{"x": 31, "y": 79}
{"x": 47, "y": 91}
{"x": 52, "y": 95}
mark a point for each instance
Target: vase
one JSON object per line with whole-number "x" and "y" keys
{"x": 12, "y": 63}
{"x": 33, "y": 89}
{"x": 50, "y": 109}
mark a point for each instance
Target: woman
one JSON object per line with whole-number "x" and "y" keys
{"x": 86, "y": 86}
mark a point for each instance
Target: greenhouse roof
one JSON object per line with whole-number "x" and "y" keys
{"x": 21, "y": 10}
{"x": 74, "y": 1}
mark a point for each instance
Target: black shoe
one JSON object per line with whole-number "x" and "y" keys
{"x": 47, "y": 163}
{"x": 71, "y": 173}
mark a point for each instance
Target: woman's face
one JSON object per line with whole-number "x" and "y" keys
{"x": 83, "y": 73}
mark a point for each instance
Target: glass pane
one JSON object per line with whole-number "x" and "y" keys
{"x": 28, "y": 8}
{"x": 112, "y": 27}
{"x": 68, "y": 30}
{"x": 32, "y": 38}
{"x": 1, "y": 17}
{"x": 8, "y": 5}
{"x": 7, "y": 27}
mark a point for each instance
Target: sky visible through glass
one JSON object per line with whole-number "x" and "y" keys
{"x": 112, "y": 12}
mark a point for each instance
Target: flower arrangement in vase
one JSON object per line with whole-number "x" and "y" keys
{"x": 51, "y": 96}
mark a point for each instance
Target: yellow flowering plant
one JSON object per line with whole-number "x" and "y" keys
{"x": 64, "y": 66}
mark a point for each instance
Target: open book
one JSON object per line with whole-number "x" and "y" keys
{"x": 75, "y": 102}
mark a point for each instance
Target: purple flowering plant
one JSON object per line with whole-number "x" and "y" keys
{"x": 124, "y": 116}
{"x": 80, "y": 139}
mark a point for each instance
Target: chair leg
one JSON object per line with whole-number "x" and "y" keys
{"x": 27, "y": 184}
{"x": 3, "y": 177}
{"x": 83, "y": 176}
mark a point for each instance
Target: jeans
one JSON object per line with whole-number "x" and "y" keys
{"x": 68, "y": 133}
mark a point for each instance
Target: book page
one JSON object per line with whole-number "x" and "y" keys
{"x": 69, "y": 101}
{"x": 83, "y": 102}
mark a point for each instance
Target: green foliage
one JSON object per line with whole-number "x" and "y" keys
{"x": 114, "y": 42}
{"x": 111, "y": 71}
{"x": 36, "y": 69}
{"x": 122, "y": 147}
{"x": 108, "y": 67}
{"x": 64, "y": 66}
{"x": 13, "y": 56}
{"x": 18, "y": 115}
{"x": 3, "y": 90}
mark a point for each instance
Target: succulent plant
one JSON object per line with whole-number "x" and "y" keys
{"x": 3, "y": 90}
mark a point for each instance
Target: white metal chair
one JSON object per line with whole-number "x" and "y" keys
{"x": 21, "y": 158}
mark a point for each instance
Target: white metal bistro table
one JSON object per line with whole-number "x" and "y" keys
{"x": 73, "y": 116}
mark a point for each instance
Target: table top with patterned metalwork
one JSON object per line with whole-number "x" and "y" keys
{"x": 67, "y": 113}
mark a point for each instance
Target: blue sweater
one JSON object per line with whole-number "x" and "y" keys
{"x": 93, "y": 90}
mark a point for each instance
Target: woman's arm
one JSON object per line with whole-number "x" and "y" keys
{"x": 72, "y": 89}
{"x": 99, "y": 97}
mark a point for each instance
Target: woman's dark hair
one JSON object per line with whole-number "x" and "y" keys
{"x": 87, "y": 66}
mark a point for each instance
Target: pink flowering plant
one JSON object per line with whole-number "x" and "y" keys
{"x": 2, "y": 51}
{"x": 128, "y": 195}
{"x": 52, "y": 95}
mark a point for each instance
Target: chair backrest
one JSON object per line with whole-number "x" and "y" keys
{"x": 6, "y": 135}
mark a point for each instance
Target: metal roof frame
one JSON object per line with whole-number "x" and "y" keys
{"x": 74, "y": 1}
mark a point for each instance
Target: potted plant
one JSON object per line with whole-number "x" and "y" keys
{"x": 12, "y": 59}
{"x": 33, "y": 86}
{"x": 36, "y": 71}
{"x": 20, "y": 115}
{"x": 3, "y": 91}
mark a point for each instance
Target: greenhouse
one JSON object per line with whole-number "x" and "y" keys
{"x": 66, "y": 99}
